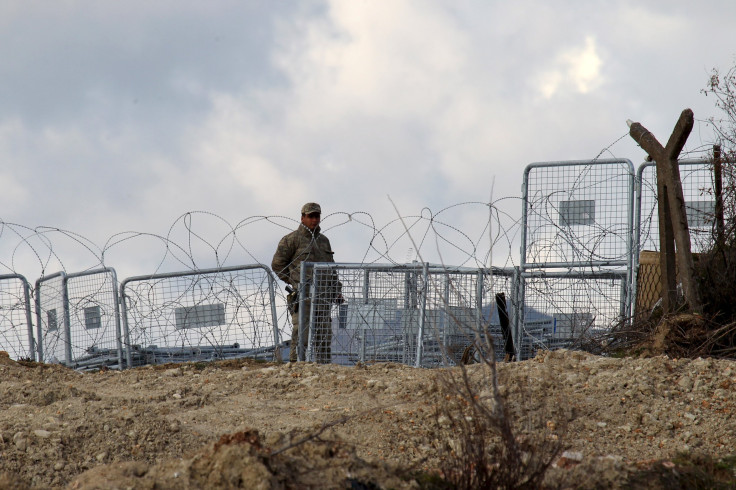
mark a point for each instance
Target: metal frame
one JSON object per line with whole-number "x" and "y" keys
{"x": 604, "y": 262}
{"x": 603, "y": 309}
{"x": 648, "y": 189}
{"x": 455, "y": 296}
{"x": 25, "y": 304}
{"x": 61, "y": 327}
{"x": 619, "y": 257}
{"x": 688, "y": 170}
{"x": 217, "y": 347}
{"x": 87, "y": 353}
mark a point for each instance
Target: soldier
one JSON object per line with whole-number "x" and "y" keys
{"x": 308, "y": 244}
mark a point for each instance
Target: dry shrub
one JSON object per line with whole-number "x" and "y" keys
{"x": 687, "y": 471}
{"x": 716, "y": 276}
{"x": 709, "y": 333}
{"x": 476, "y": 433}
{"x": 679, "y": 335}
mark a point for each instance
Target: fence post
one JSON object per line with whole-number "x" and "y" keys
{"x": 422, "y": 314}
{"x": 625, "y": 288}
{"x": 116, "y": 308}
{"x": 634, "y": 186}
{"x": 67, "y": 322}
{"x": 479, "y": 324}
{"x": 126, "y": 325}
{"x": 517, "y": 299}
{"x": 718, "y": 191}
{"x": 274, "y": 316}
{"x": 310, "y": 330}
{"x": 636, "y": 249}
{"x": 39, "y": 330}
{"x": 447, "y": 318}
{"x": 302, "y": 293}
{"x": 363, "y": 329}
{"x": 29, "y": 317}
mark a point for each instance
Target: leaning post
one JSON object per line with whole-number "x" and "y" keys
{"x": 666, "y": 157}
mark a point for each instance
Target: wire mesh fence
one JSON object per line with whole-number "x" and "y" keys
{"x": 578, "y": 224}
{"x": 16, "y": 327}
{"x": 78, "y": 319}
{"x": 648, "y": 284}
{"x": 94, "y": 319}
{"x": 577, "y": 214}
{"x": 417, "y": 314}
{"x": 562, "y": 309}
{"x": 54, "y": 344}
{"x": 577, "y": 251}
{"x": 200, "y": 315}
{"x": 698, "y": 186}
{"x": 697, "y": 189}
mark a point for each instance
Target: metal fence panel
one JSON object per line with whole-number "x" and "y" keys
{"x": 577, "y": 214}
{"x": 196, "y": 315}
{"x": 78, "y": 320}
{"x": 16, "y": 327}
{"x": 94, "y": 319}
{"x": 697, "y": 189}
{"x": 416, "y": 314}
{"x": 563, "y": 308}
{"x": 54, "y": 344}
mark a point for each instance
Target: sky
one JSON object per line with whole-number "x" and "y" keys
{"x": 159, "y": 136}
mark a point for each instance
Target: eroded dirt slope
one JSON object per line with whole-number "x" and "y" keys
{"x": 140, "y": 427}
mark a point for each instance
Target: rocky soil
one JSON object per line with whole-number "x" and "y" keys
{"x": 252, "y": 425}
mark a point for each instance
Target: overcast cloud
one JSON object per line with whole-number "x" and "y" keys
{"x": 124, "y": 116}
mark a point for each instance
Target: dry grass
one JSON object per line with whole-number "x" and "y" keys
{"x": 479, "y": 446}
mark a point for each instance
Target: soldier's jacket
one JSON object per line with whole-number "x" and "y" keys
{"x": 303, "y": 246}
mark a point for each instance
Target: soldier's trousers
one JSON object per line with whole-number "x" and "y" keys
{"x": 321, "y": 332}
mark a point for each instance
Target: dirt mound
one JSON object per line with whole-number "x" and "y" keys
{"x": 5, "y": 358}
{"x": 145, "y": 425}
{"x": 240, "y": 460}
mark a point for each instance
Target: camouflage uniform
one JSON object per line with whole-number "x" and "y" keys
{"x": 300, "y": 246}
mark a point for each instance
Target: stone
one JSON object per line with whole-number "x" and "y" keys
{"x": 20, "y": 441}
{"x": 686, "y": 383}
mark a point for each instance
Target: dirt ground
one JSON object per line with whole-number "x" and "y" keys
{"x": 241, "y": 424}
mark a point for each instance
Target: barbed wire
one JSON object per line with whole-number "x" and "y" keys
{"x": 463, "y": 234}
{"x": 192, "y": 241}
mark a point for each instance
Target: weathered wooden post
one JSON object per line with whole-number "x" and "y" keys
{"x": 674, "y": 214}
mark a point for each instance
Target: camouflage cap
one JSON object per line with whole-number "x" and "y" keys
{"x": 311, "y": 207}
